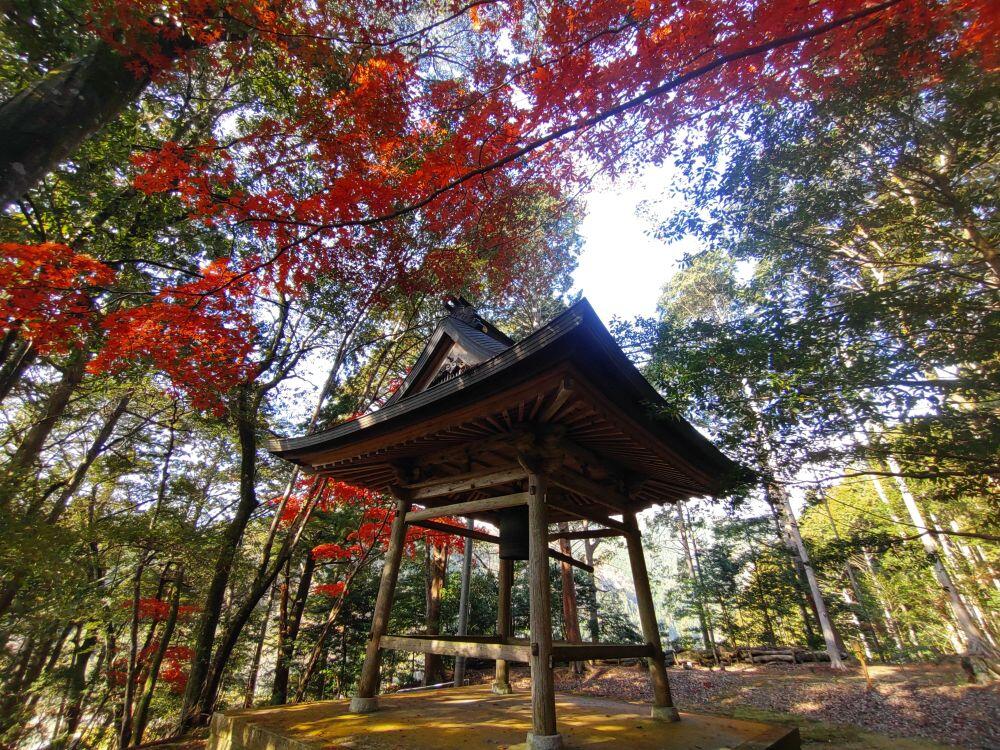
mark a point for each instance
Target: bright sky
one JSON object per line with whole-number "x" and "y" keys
{"x": 622, "y": 266}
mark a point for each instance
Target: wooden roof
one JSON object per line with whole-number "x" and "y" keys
{"x": 476, "y": 403}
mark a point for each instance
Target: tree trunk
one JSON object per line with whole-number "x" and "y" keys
{"x": 245, "y": 413}
{"x": 238, "y": 620}
{"x": 689, "y": 558}
{"x": 976, "y": 644}
{"x": 702, "y": 588}
{"x": 132, "y": 675}
{"x": 868, "y": 627}
{"x": 571, "y": 617}
{"x": 318, "y": 651}
{"x": 891, "y": 626}
{"x": 792, "y": 530}
{"x": 23, "y": 355}
{"x": 289, "y": 630}
{"x": 797, "y": 574}
{"x": 31, "y": 444}
{"x": 46, "y": 122}
{"x": 463, "y": 603}
{"x": 76, "y": 682}
{"x": 593, "y": 624}
{"x": 761, "y": 595}
{"x": 11, "y": 586}
{"x": 251, "y": 688}
{"x": 142, "y": 710}
{"x": 437, "y": 563}
{"x": 30, "y": 662}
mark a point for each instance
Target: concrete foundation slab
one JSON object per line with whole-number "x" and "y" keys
{"x": 473, "y": 718}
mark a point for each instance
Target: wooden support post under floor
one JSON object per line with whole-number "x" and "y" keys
{"x": 543, "y": 735}
{"x": 366, "y": 701}
{"x": 663, "y": 704}
{"x": 501, "y": 682}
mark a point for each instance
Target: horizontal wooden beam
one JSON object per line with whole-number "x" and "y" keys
{"x": 557, "y": 555}
{"x": 476, "y": 480}
{"x": 470, "y": 647}
{"x": 484, "y": 505}
{"x": 585, "y": 534}
{"x": 447, "y": 528}
{"x": 482, "y": 536}
{"x": 585, "y": 514}
{"x": 562, "y": 651}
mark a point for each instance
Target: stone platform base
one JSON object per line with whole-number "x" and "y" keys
{"x": 470, "y": 718}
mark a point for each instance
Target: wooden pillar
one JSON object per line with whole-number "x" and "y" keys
{"x": 365, "y": 701}
{"x": 501, "y": 683}
{"x": 543, "y": 699}
{"x": 663, "y": 704}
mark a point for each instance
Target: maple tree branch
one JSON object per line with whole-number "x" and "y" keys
{"x": 583, "y": 124}
{"x": 588, "y": 122}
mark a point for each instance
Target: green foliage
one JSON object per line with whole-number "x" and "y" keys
{"x": 842, "y": 315}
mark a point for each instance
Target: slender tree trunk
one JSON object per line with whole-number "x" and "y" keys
{"x": 884, "y": 498}
{"x": 951, "y": 560}
{"x": 761, "y": 595}
{"x": 869, "y": 622}
{"x": 31, "y": 661}
{"x": 76, "y": 683}
{"x": 315, "y": 657}
{"x": 318, "y": 647}
{"x": 701, "y": 589}
{"x": 289, "y": 632}
{"x": 593, "y": 624}
{"x": 571, "y": 617}
{"x": 20, "y": 360}
{"x": 437, "y": 563}
{"x": 238, "y": 620}
{"x": 246, "y": 422}
{"x": 977, "y": 646}
{"x": 796, "y": 574}
{"x": 251, "y": 688}
{"x": 689, "y": 559}
{"x": 792, "y": 530}
{"x": 30, "y": 447}
{"x": 13, "y": 584}
{"x": 132, "y": 676}
{"x": 142, "y": 710}
{"x": 891, "y": 625}
{"x": 463, "y": 603}
{"x": 96, "y": 448}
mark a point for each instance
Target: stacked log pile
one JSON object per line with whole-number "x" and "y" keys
{"x": 787, "y": 654}
{"x": 754, "y": 655}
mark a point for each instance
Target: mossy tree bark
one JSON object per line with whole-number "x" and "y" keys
{"x": 46, "y": 122}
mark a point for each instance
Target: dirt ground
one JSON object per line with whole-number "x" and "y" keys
{"x": 932, "y": 703}
{"x": 910, "y": 707}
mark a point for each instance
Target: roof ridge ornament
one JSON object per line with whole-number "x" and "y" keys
{"x": 461, "y": 309}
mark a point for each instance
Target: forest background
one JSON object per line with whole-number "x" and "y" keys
{"x": 225, "y": 221}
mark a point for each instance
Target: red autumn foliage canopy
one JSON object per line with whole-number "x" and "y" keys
{"x": 332, "y": 590}
{"x": 408, "y": 131}
{"x": 200, "y": 333}
{"x": 46, "y": 294}
{"x": 153, "y": 609}
{"x": 328, "y": 496}
{"x": 174, "y": 668}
